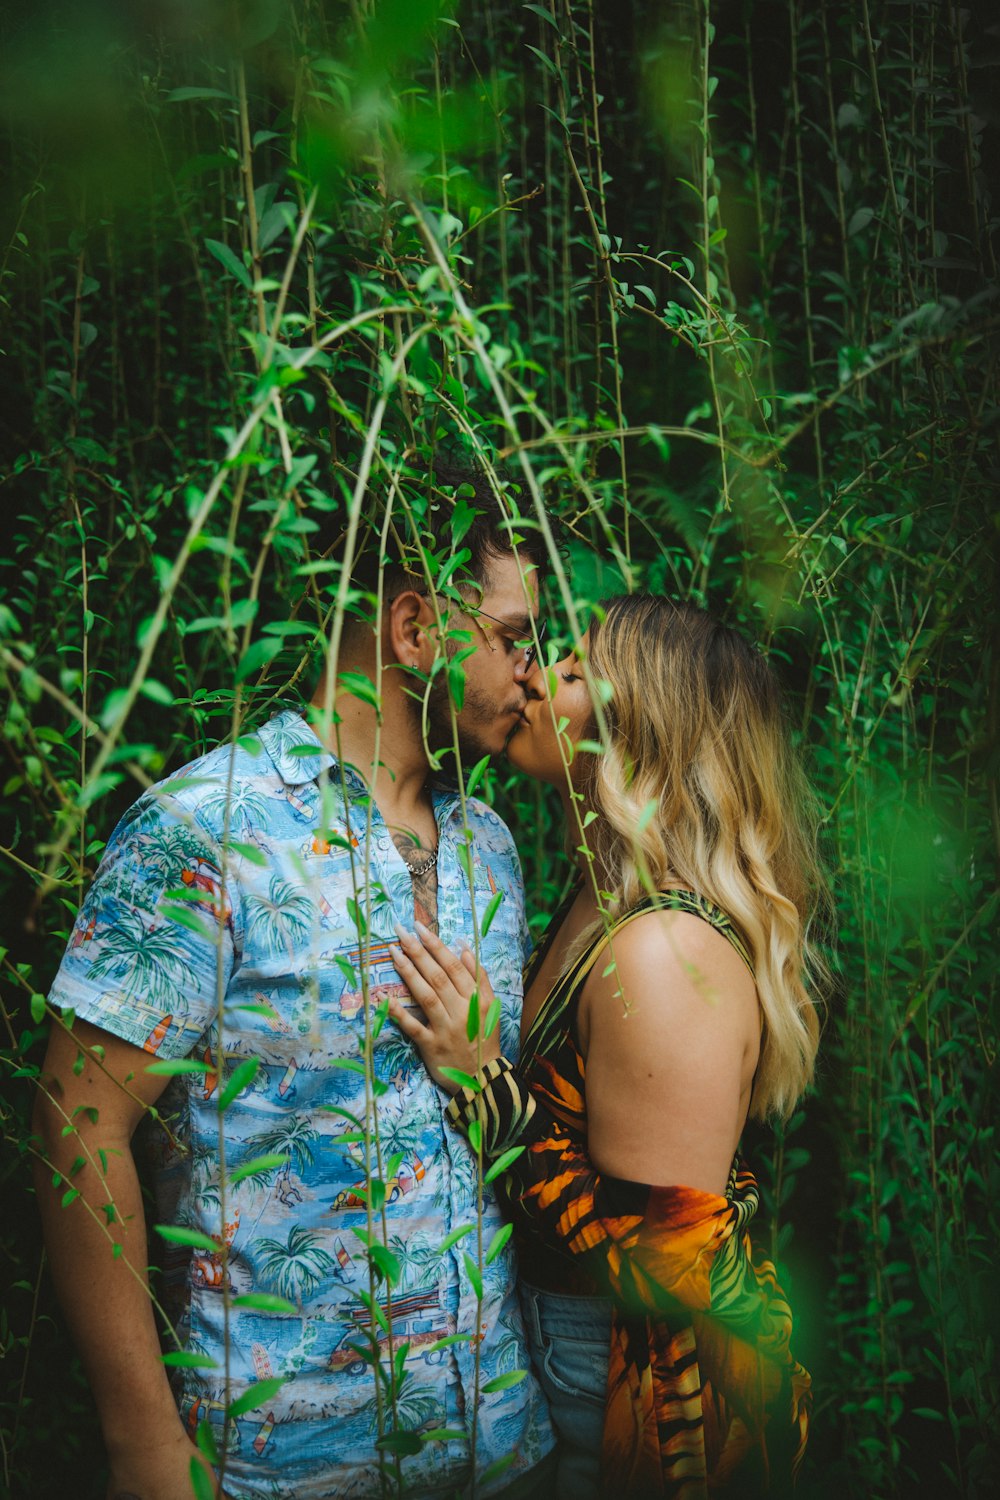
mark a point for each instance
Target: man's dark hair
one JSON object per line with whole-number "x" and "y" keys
{"x": 450, "y": 511}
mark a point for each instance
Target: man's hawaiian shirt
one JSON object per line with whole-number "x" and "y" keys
{"x": 232, "y": 921}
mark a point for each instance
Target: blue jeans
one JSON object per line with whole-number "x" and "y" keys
{"x": 568, "y": 1339}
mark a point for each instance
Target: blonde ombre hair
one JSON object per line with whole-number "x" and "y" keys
{"x": 699, "y": 787}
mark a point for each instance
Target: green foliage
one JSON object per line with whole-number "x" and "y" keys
{"x": 717, "y": 282}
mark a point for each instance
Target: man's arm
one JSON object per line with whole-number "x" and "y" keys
{"x": 92, "y": 1114}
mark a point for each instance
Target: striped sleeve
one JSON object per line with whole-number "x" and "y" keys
{"x": 500, "y": 1102}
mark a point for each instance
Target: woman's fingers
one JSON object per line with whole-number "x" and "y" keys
{"x": 441, "y": 982}
{"x": 468, "y": 958}
{"x": 437, "y": 964}
{"x": 408, "y": 1024}
{"x": 422, "y": 990}
{"x": 482, "y": 979}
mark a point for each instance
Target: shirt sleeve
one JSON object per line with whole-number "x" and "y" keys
{"x": 153, "y": 946}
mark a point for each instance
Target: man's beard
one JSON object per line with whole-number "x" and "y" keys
{"x": 476, "y": 724}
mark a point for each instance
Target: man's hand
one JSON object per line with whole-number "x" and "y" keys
{"x": 443, "y": 984}
{"x": 157, "y": 1471}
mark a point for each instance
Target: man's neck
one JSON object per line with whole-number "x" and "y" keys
{"x": 389, "y": 756}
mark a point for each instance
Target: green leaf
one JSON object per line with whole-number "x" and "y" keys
{"x": 202, "y": 1483}
{"x": 185, "y": 917}
{"x": 498, "y": 1241}
{"x": 265, "y": 1302}
{"x": 474, "y": 1132}
{"x": 476, "y": 775}
{"x": 401, "y": 1444}
{"x": 344, "y": 1114}
{"x": 502, "y": 1163}
{"x": 360, "y": 686}
{"x": 647, "y": 815}
{"x": 376, "y": 1310}
{"x": 376, "y": 1194}
{"x": 38, "y": 1009}
{"x": 454, "y": 1237}
{"x": 492, "y": 1017}
{"x": 174, "y": 1234}
{"x": 385, "y": 1263}
{"x": 456, "y": 682}
{"x": 249, "y": 852}
{"x": 257, "y": 656}
{"x": 544, "y": 14}
{"x": 157, "y": 692}
{"x": 474, "y": 1275}
{"x": 261, "y": 1391}
{"x": 550, "y": 65}
{"x": 239, "y": 1079}
{"x": 504, "y": 1382}
{"x": 493, "y": 906}
{"x": 185, "y": 1359}
{"x": 174, "y": 1067}
{"x": 205, "y": 1439}
{"x": 502, "y": 1464}
{"x": 464, "y": 1080}
{"x": 230, "y": 260}
{"x": 472, "y": 1018}
{"x": 190, "y": 91}
{"x": 448, "y": 1340}
{"x": 269, "y": 1163}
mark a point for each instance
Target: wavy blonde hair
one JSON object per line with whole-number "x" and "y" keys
{"x": 699, "y": 787}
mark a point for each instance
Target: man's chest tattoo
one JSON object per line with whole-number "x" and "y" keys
{"x": 422, "y": 865}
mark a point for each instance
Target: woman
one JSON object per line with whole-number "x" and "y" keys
{"x": 650, "y": 1033}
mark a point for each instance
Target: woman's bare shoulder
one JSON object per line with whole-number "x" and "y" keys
{"x": 676, "y": 952}
{"x": 669, "y": 1030}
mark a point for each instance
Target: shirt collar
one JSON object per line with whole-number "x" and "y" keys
{"x": 300, "y": 758}
{"x": 298, "y": 755}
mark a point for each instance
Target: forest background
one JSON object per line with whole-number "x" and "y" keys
{"x": 717, "y": 279}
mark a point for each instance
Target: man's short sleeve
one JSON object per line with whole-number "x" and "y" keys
{"x": 152, "y": 947}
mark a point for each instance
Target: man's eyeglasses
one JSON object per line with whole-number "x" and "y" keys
{"x": 528, "y": 647}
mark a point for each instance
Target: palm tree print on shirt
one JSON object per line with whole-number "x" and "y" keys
{"x": 281, "y": 919}
{"x": 241, "y": 805}
{"x": 140, "y": 957}
{"x": 418, "y": 1258}
{"x": 165, "y": 849}
{"x": 296, "y": 1268}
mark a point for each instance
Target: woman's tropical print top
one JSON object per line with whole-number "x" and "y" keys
{"x": 704, "y": 1396}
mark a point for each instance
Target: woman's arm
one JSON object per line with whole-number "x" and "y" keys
{"x": 671, "y": 1038}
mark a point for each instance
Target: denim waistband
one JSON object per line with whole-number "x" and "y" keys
{"x": 559, "y": 1315}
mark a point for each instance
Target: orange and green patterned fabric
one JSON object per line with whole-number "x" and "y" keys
{"x": 704, "y": 1396}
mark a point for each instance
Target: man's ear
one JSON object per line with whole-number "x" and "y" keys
{"x": 411, "y": 630}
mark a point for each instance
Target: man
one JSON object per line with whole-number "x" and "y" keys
{"x": 238, "y": 930}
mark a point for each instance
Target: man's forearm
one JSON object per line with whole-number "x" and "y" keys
{"x": 105, "y": 1295}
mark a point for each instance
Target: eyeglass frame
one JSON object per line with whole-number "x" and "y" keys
{"x": 531, "y": 651}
